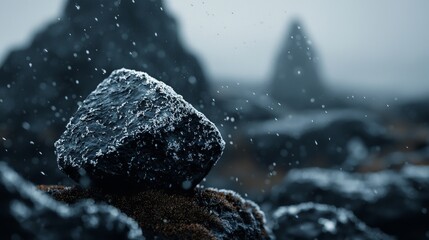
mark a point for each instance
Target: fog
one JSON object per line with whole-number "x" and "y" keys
{"x": 368, "y": 46}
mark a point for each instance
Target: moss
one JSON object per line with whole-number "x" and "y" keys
{"x": 202, "y": 214}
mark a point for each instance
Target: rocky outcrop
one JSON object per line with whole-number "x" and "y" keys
{"x": 296, "y": 81}
{"x": 139, "y": 146}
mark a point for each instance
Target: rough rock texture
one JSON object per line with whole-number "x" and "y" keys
{"x": 135, "y": 130}
{"x": 322, "y": 222}
{"x": 203, "y": 214}
{"x": 41, "y": 84}
{"x": 26, "y": 213}
{"x": 386, "y": 200}
{"x": 341, "y": 138}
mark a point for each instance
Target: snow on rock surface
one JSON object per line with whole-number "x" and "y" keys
{"x": 27, "y": 213}
{"x": 319, "y": 221}
{"x": 136, "y": 130}
{"x": 388, "y": 200}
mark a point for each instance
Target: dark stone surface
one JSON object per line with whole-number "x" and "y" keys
{"x": 322, "y": 222}
{"x": 395, "y": 202}
{"x": 337, "y": 138}
{"x": 202, "y": 214}
{"x": 40, "y": 85}
{"x": 26, "y": 213}
{"x": 135, "y": 130}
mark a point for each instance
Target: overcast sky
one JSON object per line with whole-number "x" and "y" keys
{"x": 378, "y": 45}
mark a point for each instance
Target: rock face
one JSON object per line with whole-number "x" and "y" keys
{"x": 135, "y": 130}
{"x": 205, "y": 214}
{"x": 41, "y": 84}
{"x": 296, "y": 81}
{"x": 386, "y": 200}
{"x": 31, "y": 214}
{"x": 319, "y": 221}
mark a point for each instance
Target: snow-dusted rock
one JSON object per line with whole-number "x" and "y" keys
{"x": 135, "y": 130}
{"x": 319, "y": 221}
{"x": 26, "y": 213}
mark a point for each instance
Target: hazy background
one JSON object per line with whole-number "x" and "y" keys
{"x": 378, "y": 47}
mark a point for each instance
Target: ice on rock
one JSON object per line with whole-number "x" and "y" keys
{"x": 135, "y": 130}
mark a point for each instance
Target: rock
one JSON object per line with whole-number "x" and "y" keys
{"x": 296, "y": 80}
{"x": 386, "y": 200}
{"x": 135, "y": 130}
{"x": 40, "y": 85}
{"x": 338, "y": 138}
{"x": 319, "y": 221}
{"x": 31, "y": 214}
{"x": 203, "y": 214}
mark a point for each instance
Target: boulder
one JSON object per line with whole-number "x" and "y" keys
{"x": 135, "y": 130}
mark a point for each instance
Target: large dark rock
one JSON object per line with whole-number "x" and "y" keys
{"x": 201, "y": 214}
{"x": 322, "y": 222}
{"x": 135, "y": 130}
{"x": 26, "y": 213}
{"x": 395, "y": 202}
{"x": 41, "y": 84}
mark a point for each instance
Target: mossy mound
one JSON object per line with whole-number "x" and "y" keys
{"x": 202, "y": 214}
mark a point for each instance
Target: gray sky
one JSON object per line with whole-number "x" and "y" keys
{"x": 380, "y": 45}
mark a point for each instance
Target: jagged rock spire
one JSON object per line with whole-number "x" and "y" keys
{"x": 296, "y": 81}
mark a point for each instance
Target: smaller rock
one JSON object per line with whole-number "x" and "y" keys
{"x": 387, "y": 200}
{"x": 135, "y": 130}
{"x": 31, "y": 214}
{"x": 319, "y": 221}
